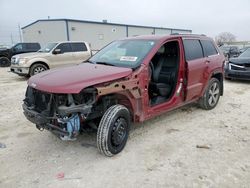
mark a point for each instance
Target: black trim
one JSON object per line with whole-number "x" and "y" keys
{"x": 67, "y": 29}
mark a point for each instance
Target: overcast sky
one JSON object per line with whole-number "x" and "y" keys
{"x": 209, "y": 17}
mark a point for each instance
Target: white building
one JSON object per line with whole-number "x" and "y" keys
{"x": 98, "y": 34}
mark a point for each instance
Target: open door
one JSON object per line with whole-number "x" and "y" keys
{"x": 165, "y": 86}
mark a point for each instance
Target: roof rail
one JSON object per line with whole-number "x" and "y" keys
{"x": 188, "y": 34}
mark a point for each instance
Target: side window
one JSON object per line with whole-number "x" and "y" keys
{"x": 64, "y": 47}
{"x": 209, "y": 48}
{"x": 18, "y": 47}
{"x": 193, "y": 49}
{"x": 32, "y": 46}
{"x": 78, "y": 47}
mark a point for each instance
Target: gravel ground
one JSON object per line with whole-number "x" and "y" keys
{"x": 161, "y": 152}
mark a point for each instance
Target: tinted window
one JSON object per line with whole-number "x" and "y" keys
{"x": 32, "y": 46}
{"x": 193, "y": 49}
{"x": 19, "y": 47}
{"x": 208, "y": 48}
{"x": 78, "y": 47}
{"x": 64, "y": 47}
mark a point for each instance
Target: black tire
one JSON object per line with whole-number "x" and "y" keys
{"x": 37, "y": 68}
{"x": 113, "y": 130}
{"x": 212, "y": 95}
{"x": 4, "y": 62}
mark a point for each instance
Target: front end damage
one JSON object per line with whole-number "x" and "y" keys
{"x": 62, "y": 114}
{"x": 67, "y": 115}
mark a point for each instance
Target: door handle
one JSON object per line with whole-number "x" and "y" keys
{"x": 207, "y": 61}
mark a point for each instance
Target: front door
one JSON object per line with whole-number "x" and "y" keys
{"x": 167, "y": 73}
{"x": 64, "y": 58}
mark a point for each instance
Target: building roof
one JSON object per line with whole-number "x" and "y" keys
{"x": 104, "y": 23}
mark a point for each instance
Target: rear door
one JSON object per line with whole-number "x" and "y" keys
{"x": 196, "y": 68}
{"x": 80, "y": 52}
{"x": 32, "y": 47}
{"x": 211, "y": 54}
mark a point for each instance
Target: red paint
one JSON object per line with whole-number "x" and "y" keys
{"x": 74, "y": 79}
{"x": 193, "y": 76}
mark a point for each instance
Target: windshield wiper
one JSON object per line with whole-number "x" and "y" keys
{"x": 89, "y": 61}
{"x": 105, "y": 63}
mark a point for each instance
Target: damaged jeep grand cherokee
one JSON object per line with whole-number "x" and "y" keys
{"x": 129, "y": 80}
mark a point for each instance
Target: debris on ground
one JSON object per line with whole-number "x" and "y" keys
{"x": 2, "y": 145}
{"x": 60, "y": 175}
{"x": 203, "y": 146}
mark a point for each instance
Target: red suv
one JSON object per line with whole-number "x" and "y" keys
{"x": 130, "y": 80}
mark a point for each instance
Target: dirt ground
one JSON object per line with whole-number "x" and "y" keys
{"x": 160, "y": 153}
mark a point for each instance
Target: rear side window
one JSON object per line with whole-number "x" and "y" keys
{"x": 78, "y": 47}
{"x": 193, "y": 49}
{"x": 208, "y": 47}
{"x": 64, "y": 47}
{"x": 32, "y": 46}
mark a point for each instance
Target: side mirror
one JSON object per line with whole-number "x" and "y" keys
{"x": 14, "y": 49}
{"x": 57, "y": 51}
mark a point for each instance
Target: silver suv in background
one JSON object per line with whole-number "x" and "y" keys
{"x": 51, "y": 56}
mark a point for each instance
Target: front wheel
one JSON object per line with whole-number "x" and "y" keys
{"x": 212, "y": 95}
{"x": 37, "y": 68}
{"x": 4, "y": 62}
{"x": 113, "y": 130}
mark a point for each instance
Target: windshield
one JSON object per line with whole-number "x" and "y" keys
{"x": 124, "y": 53}
{"x": 48, "y": 47}
{"x": 246, "y": 53}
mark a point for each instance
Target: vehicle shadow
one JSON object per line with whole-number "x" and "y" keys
{"x": 88, "y": 139}
{"x": 238, "y": 81}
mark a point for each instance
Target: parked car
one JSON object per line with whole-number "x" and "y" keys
{"x": 230, "y": 51}
{"x": 239, "y": 68}
{"x": 130, "y": 80}
{"x": 244, "y": 49}
{"x": 7, "y": 53}
{"x": 52, "y": 55}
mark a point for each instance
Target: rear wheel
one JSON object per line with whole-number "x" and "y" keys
{"x": 212, "y": 95}
{"x": 37, "y": 68}
{"x": 113, "y": 130}
{"x": 4, "y": 62}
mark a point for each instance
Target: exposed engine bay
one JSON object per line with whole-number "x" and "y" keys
{"x": 63, "y": 114}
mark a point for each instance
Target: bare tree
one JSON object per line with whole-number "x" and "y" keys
{"x": 225, "y": 37}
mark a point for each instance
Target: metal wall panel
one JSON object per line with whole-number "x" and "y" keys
{"x": 162, "y": 31}
{"x": 44, "y": 32}
{"x": 98, "y": 35}
{"x": 135, "y": 31}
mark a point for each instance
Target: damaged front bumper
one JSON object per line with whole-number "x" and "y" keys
{"x": 62, "y": 114}
{"x": 43, "y": 122}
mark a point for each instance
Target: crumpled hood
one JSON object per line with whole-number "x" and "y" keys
{"x": 31, "y": 55}
{"x": 240, "y": 60}
{"x": 75, "y": 78}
